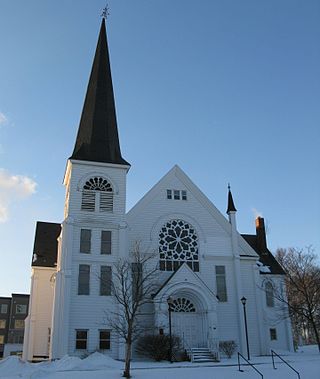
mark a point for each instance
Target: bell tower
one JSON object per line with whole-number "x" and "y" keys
{"x": 93, "y": 232}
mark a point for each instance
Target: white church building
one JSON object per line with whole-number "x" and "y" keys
{"x": 205, "y": 265}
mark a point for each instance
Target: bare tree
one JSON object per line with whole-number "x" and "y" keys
{"x": 133, "y": 283}
{"x": 302, "y": 288}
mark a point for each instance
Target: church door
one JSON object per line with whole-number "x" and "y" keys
{"x": 187, "y": 323}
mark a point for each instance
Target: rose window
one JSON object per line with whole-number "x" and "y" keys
{"x": 182, "y": 305}
{"x": 178, "y": 243}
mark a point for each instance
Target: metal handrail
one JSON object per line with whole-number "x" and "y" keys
{"x": 240, "y": 355}
{"x": 284, "y": 361}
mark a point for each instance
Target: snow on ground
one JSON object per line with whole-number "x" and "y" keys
{"x": 98, "y": 366}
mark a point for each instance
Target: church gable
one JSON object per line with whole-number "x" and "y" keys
{"x": 175, "y": 196}
{"x": 184, "y": 279}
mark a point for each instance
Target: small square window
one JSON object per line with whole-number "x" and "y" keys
{"x": 18, "y": 324}
{"x": 4, "y": 308}
{"x": 21, "y": 309}
{"x": 184, "y": 195}
{"x": 104, "y": 341}
{"x": 169, "y": 194}
{"x": 176, "y": 195}
{"x": 273, "y": 334}
{"x": 81, "y": 339}
{"x": 2, "y": 324}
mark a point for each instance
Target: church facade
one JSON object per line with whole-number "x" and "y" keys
{"x": 205, "y": 265}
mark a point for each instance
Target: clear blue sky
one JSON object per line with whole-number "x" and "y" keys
{"x": 229, "y": 90}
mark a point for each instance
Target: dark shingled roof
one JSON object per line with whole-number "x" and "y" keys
{"x": 265, "y": 255}
{"x": 231, "y": 207}
{"x": 97, "y": 138}
{"x": 45, "y": 250}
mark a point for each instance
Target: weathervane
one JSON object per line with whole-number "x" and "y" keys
{"x": 105, "y": 12}
{"x": 229, "y": 187}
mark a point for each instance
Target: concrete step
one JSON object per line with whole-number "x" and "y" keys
{"x": 201, "y": 354}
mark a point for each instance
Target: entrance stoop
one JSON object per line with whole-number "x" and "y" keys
{"x": 202, "y": 354}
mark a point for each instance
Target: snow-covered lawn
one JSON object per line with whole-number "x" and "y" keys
{"x": 98, "y": 366}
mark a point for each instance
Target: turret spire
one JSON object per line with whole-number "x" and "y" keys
{"x": 97, "y": 138}
{"x": 231, "y": 207}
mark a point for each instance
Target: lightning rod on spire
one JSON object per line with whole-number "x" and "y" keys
{"x": 105, "y": 12}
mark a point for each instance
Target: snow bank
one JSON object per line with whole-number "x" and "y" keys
{"x": 97, "y": 361}
{"x": 64, "y": 364}
{"x": 14, "y": 366}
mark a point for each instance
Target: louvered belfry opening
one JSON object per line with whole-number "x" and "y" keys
{"x": 97, "y": 195}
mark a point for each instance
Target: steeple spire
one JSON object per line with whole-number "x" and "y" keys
{"x": 231, "y": 207}
{"x": 97, "y": 138}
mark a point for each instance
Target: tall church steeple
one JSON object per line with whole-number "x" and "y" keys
{"x": 97, "y": 138}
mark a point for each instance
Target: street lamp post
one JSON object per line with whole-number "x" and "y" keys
{"x": 244, "y": 301}
{"x": 170, "y": 302}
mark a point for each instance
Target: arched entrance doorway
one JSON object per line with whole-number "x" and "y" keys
{"x": 188, "y": 322}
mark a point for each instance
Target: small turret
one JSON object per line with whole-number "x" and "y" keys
{"x": 231, "y": 207}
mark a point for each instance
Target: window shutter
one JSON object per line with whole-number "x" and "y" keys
{"x": 88, "y": 201}
{"x": 106, "y": 202}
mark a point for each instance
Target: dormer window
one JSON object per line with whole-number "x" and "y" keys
{"x": 97, "y": 195}
{"x": 176, "y": 194}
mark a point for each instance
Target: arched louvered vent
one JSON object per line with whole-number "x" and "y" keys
{"x": 97, "y": 194}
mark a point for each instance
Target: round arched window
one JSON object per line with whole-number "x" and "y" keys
{"x": 182, "y": 304}
{"x": 178, "y": 243}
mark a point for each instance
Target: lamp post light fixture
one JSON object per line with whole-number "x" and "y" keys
{"x": 244, "y": 301}
{"x": 170, "y": 302}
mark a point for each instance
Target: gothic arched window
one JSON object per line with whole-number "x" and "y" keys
{"x": 97, "y": 194}
{"x": 178, "y": 243}
{"x": 269, "y": 294}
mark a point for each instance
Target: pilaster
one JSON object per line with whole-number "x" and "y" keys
{"x": 62, "y": 293}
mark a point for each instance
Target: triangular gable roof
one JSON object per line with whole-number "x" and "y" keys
{"x": 184, "y": 274}
{"x": 199, "y": 195}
